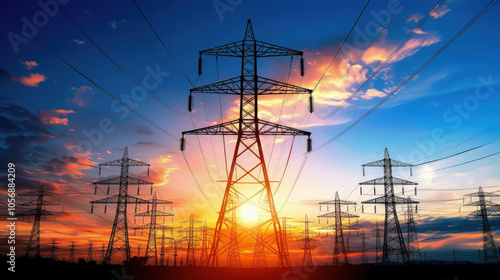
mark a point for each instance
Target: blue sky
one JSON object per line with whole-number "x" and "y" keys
{"x": 50, "y": 112}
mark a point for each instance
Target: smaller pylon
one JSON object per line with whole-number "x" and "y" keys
{"x": 89, "y": 253}
{"x": 286, "y": 232}
{"x": 307, "y": 243}
{"x": 204, "y": 244}
{"x": 412, "y": 237}
{"x": 339, "y": 250}
{"x": 71, "y": 258}
{"x": 364, "y": 257}
{"x": 190, "y": 235}
{"x": 489, "y": 248}
{"x": 53, "y": 249}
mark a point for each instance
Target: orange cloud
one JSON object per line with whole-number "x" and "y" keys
{"x": 440, "y": 12}
{"x": 28, "y": 65}
{"x": 79, "y": 93}
{"x": 50, "y": 117}
{"x": 32, "y": 81}
{"x": 414, "y": 17}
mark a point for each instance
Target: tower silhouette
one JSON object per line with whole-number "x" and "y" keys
{"x": 33, "y": 247}
{"x": 243, "y": 183}
{"x": 204, "y": 245}
{"x": 489, "y": 248}
{"x": 307, "y": 243}
{"x": 153, "y": 213}
{"x": 191, "y": 238}
{"x": 412, "y": 236}
{"x": 119, "y": 240}
{"x": 394, "y": 244}
{"x": 339, "y": 249}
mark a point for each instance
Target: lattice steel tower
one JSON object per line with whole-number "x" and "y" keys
{"x": 307, "y": 243}
{"x": 394, "y": 244}
{"x": 339, "y": 249}
{"x": 412, "y": 236}
{"x": 118, "y": 240}
{"x": 489, "y": 248}
{"x": 190, "y": 236}
{"x": 243, "y": 183}
{"x": 154, "y": 226}
{"x": 33, "y": 248}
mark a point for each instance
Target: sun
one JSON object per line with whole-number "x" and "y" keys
{"x": 249, "y": 213}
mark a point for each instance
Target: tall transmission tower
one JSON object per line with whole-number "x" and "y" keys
{"x": 243, "y": 183}
{"x": 394, "y": 244}
{"x": 89, "y": 253}
{"x": 118, "y": 240}
{"x": 190, "y": 237}
{"x": 153, "y": 213}
{"x": 489, "y": 248}
{"x": 285, "y": 233}
{"x": 307, "y": 243}
{"x": 339, "y": 249}
{"x": 40, "y": 201}
{"x": 412, "y": 237}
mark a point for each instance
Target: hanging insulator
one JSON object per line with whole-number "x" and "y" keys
{"x": 136, "y": 208}
{"x": 416, "y": 209}
{"x": 148, "y": 170}
{"x": 190, "y": 102}
{"x": 151, "y": 190}
{"x": 459, "y": 209}
{"x": 148, "y": 208}
{"x": 311, "y": 104}
{"x": 320, "y": 207}
{"x": 95, "y": 189}
{"x": 374, "y": 190}
{"x": 107, "y": 193}
{"x": 319, "y": 221}
{"x": 363, "y": 171}
{"x": 105, "y": 208}
{"x": 415, "y": 190}
{"x": 360, "y": 190}
{"x": 362, "y": 209}
{"x": 403, "y": 190}
{"x": 375, "y": 208}
{"x": 411, "y": 171}
{"x": 92, "y": 209}
{"x": 309, "y": 145}
{"x": 183, "y": 144}
{"x": 200, "y": 60}
{"x": 99, "y": 171}
{"x": 302, "y": 72}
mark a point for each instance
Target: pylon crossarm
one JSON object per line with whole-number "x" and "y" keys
{"x": 226, "y": 128}
{"x": 158, "y": 214}
{"x": 116, "y": 181}
{"x": 269, "y": 128}
{"x": 158, "y": 227}
{"x": 268, "y": 86}
{"x": 263, "y": 49}
{"x": 397, "y": 200}
{"x": 233, "y": 49}
{"x": 35, "y": 212}
{"x": 229, "y": 86}
{"x": 342, "y": 202}
{"x": 35, "y": 202}
{"x": 395, "y": 181}
{"x": 342, "y": 214}
{"x": 270, "y": 50}
{"x": 114, "y": 199}
{"x": 380, "y": 163}
{"x": 490, "y": 213}
{"x": 485, "y": 203}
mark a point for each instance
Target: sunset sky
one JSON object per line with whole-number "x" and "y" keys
{"x": 56, "y": 125}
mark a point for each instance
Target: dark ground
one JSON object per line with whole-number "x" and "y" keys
{"x": 50, "y": 269}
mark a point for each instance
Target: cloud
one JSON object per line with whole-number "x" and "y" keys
{"x": 371, "y": 93}
{"x": 78, "y": 42}
{"x": 32, "y": 81}
{"x": 440, "y": 12}
{"x": 414, "y": 17}
{"x": 78, "y": 99}
{"x": 51, "y": 117}
{"x": 28, "y": 65}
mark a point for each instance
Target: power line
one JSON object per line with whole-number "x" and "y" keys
{"x": 465, "y": 28}
{"x": 94, "y": 83}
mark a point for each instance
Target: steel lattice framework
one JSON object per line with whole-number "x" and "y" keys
{"x": 394, "y": 244}
{"x": 307, "y": 243}
{"x": 339, "y": 249}
{"x": 248, "y": 160}
{"x": 489, "y": 248}
{"x": 33, "y": 247}
{"x": 153, "y": 226}
{"x": 118, "y": 240}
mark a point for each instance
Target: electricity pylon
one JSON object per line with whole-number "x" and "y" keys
{"x": 394, "y": 244}
{"x": 339, "y": 250}
{"x": 489, "y": 248}
{"x": 285, "y": 234}
{"x": 153, "y": 225}
{"x": 71, "y": 258}
{"x": 412, "y": 237}
{"x": 89, "y": 253}
{"x": 364, "y": 257}
{"x": 204, "y": 244}
{"x": 118, "y": 240}
{"x": 190, "y": 237}
{"x": 378, "y": 244}
{"x": 53, "y": 249}
{"x": 33, "y": 248}
{"x": 248, "y": 161}
{"x": 307, "y": 243}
